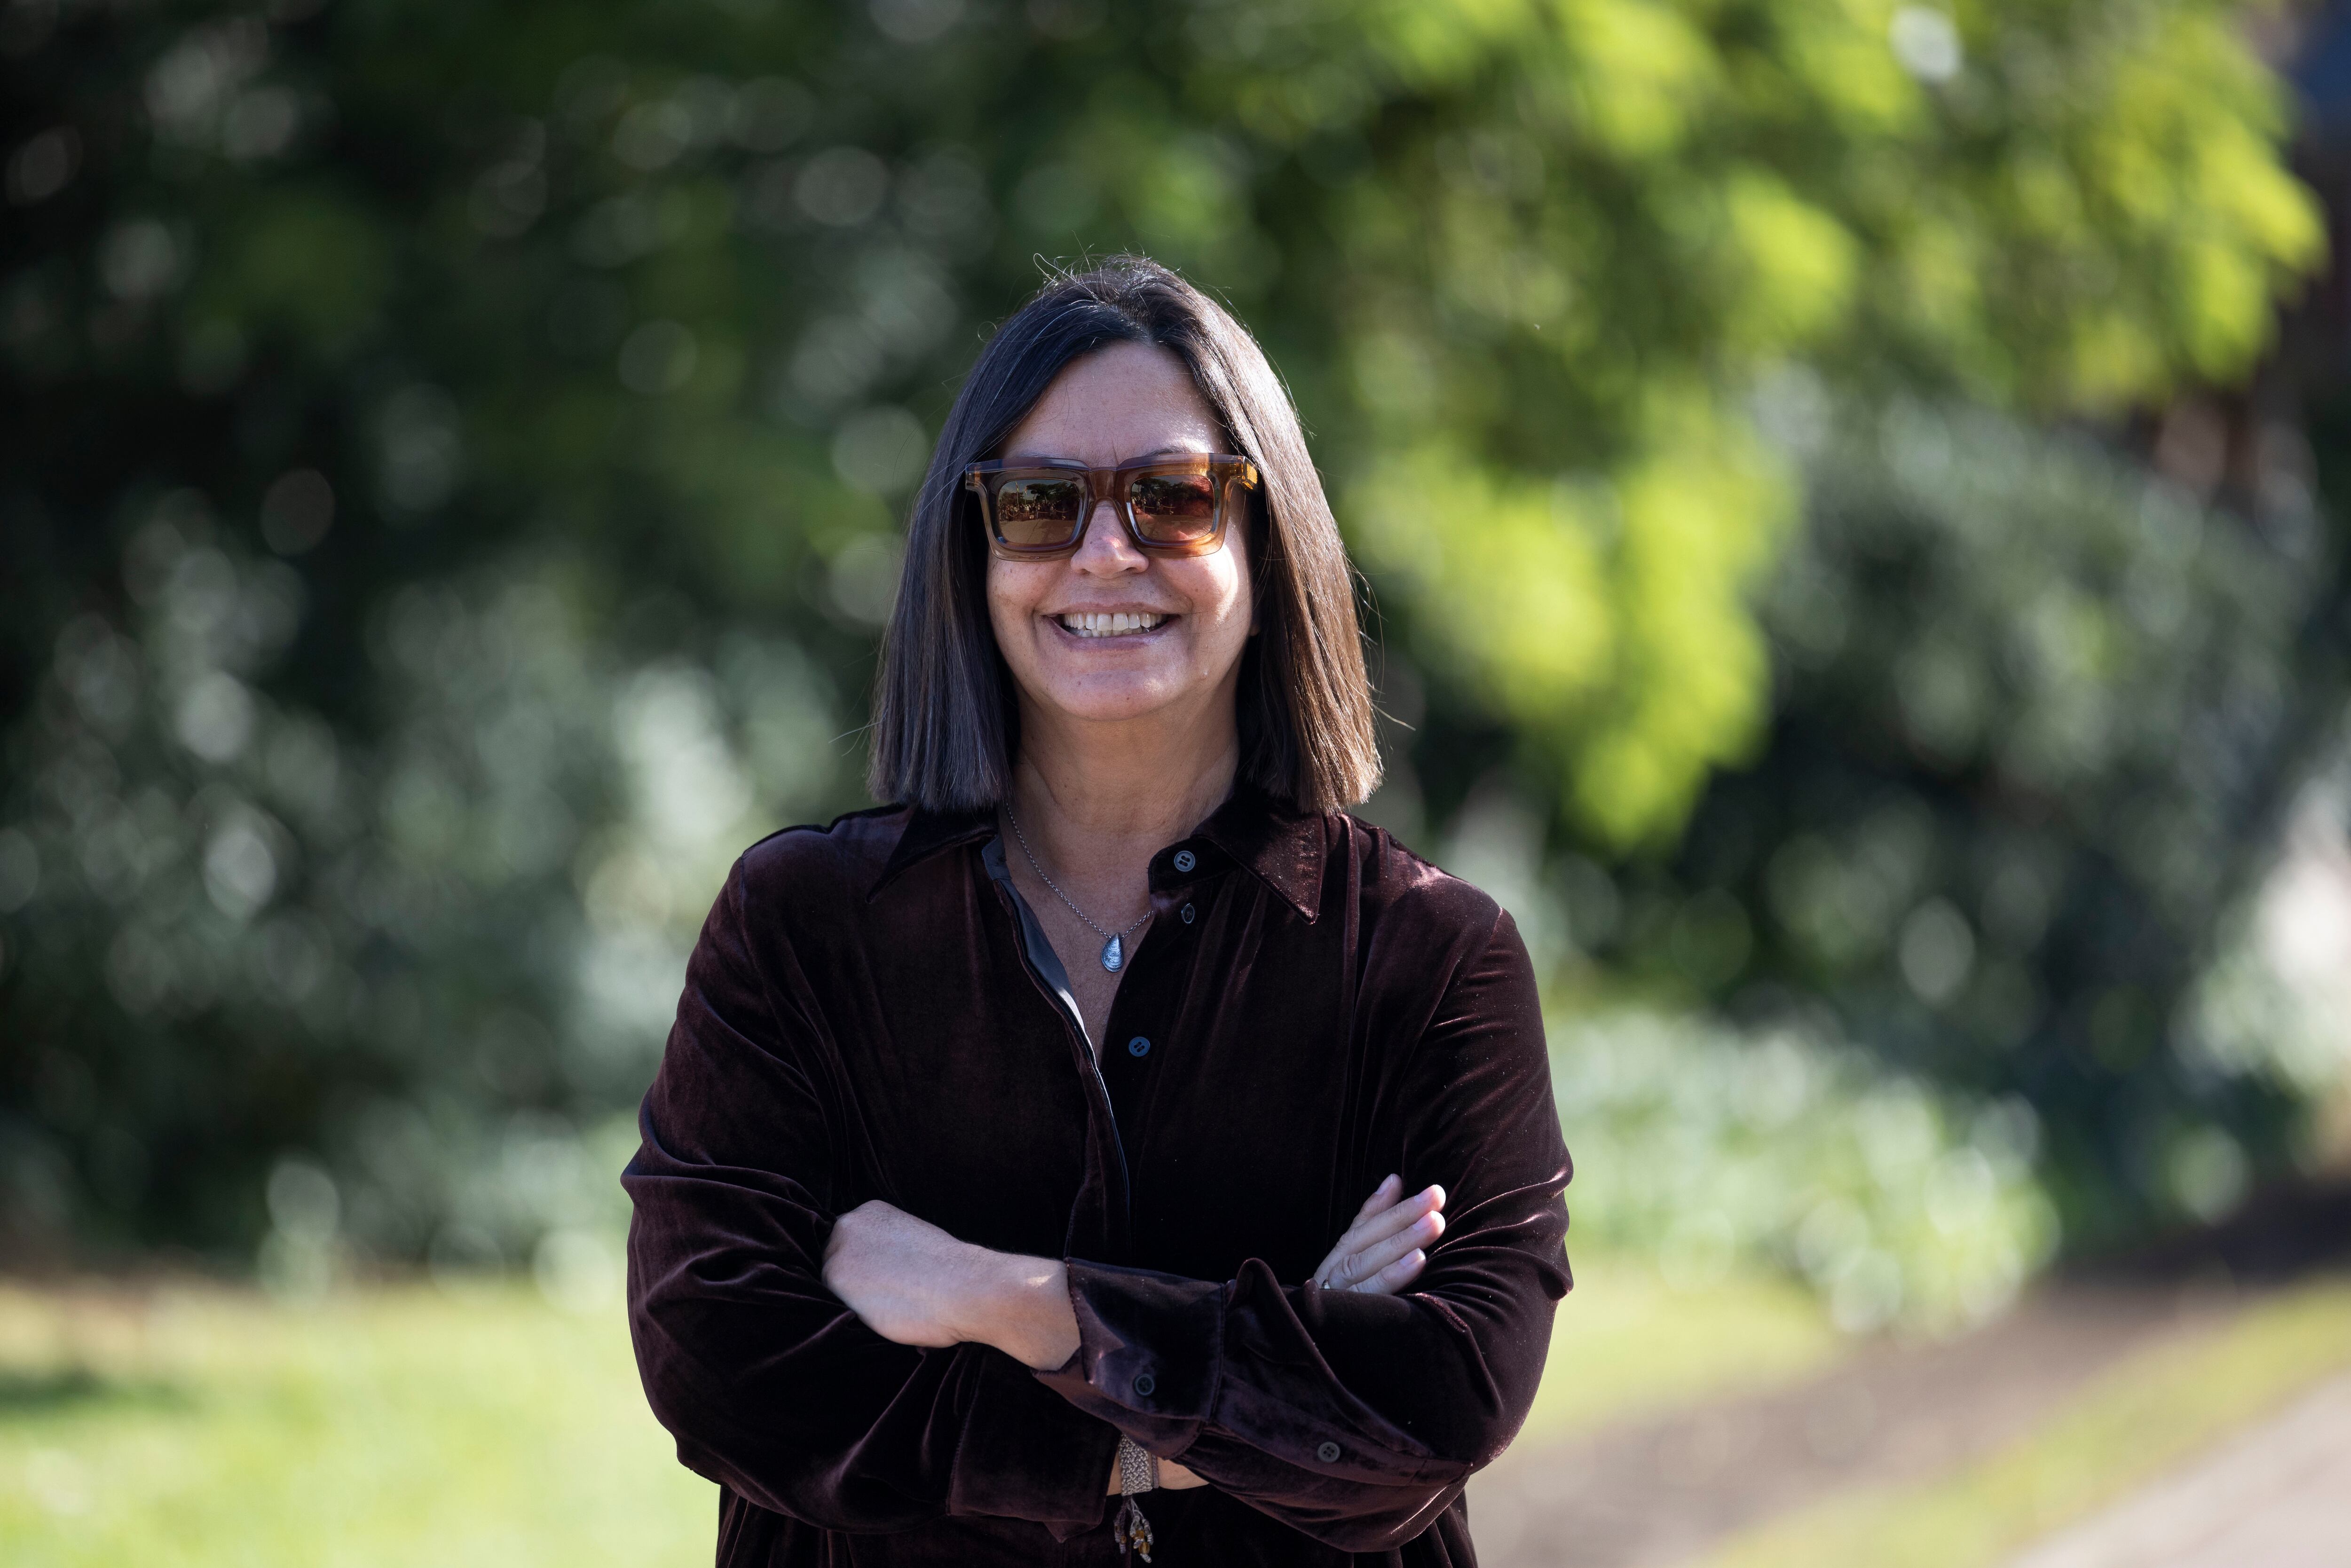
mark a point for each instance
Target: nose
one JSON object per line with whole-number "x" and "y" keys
{"x": 1104, "y": 550}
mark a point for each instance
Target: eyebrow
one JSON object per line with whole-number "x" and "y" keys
{"x": 1141, "y": 458}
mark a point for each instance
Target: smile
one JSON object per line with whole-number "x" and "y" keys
{"x": 1111, "y": 623}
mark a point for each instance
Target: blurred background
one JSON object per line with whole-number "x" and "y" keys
{"x": 1849, "y": 495}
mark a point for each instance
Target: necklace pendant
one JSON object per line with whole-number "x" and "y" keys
{"x": 1114, "y": 954}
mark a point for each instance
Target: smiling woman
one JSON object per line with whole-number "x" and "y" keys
{"x": 1126, "y": 363}
{"x": 924, "y": 1272}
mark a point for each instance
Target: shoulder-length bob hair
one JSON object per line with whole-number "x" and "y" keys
{"x": 945, "y": 724}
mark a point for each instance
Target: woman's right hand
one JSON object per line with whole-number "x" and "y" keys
{"x": 1385, "y": 1248}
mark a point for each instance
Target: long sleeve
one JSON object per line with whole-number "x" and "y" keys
{"x": 770, "y": 1384}
{"x": 1355, "y": 1418}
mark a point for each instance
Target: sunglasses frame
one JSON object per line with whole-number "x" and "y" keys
{"x": 1114, "y": 486}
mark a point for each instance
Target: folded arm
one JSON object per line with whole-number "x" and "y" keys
{"x": 1356, "y": 1417}
{"x": 913, "y": 1284}
{"x": 1353, "y": 1415}
{"x": 770, "y": 1384}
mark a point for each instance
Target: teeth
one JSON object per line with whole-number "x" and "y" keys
{"x": 1096, "y": 623}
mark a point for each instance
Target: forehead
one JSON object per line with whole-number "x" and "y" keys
{"x": 1129, "y": 400}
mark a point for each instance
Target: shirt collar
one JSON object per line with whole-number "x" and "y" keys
{"x": 930, "y": 833}
{"x": 1281, "y": 846}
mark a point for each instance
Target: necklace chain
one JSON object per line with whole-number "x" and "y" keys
{"x": 1065, "y": 898}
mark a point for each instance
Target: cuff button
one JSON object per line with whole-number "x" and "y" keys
{"x": 1328, "y": 1453}
{"x": 1145, "y": 1385}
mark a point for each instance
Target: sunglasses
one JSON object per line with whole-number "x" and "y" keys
{"x": 1169, "y": 506}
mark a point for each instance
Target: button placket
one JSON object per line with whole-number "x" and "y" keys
{"x": 1131, "y": 1045}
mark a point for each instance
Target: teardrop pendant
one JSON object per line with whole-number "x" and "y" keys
{"x": 1114, "y": 954}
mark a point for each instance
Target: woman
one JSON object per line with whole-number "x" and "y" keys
{"x": 1009, "y": 1151}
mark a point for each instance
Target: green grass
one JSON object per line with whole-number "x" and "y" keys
{"x": 390, "y": 1427}
{"x": 2157, "y": 1408}
{"x": 399, "y": 1425}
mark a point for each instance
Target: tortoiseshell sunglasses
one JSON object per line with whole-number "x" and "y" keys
{"x": 1170, "y": 505}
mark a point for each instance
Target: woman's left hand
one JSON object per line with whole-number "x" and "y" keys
{"x": 913, "y": 1283}
{"x": 1387, "y": 1245}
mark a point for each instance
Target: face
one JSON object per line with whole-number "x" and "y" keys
{"x": 1110, "y": 633}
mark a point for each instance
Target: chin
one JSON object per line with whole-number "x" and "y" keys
{"x": 1107, "y": 699}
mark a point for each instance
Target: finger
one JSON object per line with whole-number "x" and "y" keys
{"x": 1343, "y": 1266}
{"x": 1391, "y": 1219}
{"x": 1366, "y": 1262}
{"x": 1373, "y": 1226}
{"x": 1395, "y": 1276}
{"x": 1328, "y": 1267}
{"x": 1381, "y": 1195}
{"x": 1388, "y": 1221}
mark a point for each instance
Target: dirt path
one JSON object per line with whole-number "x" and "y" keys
{"x": 1649, "y": 1494}
{"x": 2276, "y": 1497}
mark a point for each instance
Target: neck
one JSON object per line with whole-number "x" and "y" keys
{"x": 1099, "y": 799}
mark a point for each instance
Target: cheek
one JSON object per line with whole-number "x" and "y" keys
{"x": 1012, "y": 594}
{"x": 1234, "y": 588}
{"x": 1221, "y": 595}
{"x": 1240, "y": 562}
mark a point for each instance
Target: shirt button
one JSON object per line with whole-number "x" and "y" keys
{"x": 1328, "y": 1453}
{"x": 1186, "y": 860}
{"x": 1188, "y": 915}
{"x": 1145, "y": 1385}
{"x": 1138, "y": 1046}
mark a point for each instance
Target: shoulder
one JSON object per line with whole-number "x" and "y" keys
{"x": 1430, "y": 945}
{"x": 1397, "y": 889}
{"x": 849, "y": 853}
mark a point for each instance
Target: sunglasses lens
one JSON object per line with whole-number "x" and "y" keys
{"x": 1034, "y": 513}
{"x": 1175, "y": 508}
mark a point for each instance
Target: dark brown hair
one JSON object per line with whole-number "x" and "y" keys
{"x": 946, "y": 727}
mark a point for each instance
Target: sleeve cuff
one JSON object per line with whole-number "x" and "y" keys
{"x": 1025, "y": 1454}
{"x": 1150, "y": 1349}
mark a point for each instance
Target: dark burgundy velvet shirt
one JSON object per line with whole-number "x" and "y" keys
{"x": 870, "y": 1014}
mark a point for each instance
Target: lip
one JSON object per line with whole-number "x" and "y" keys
{"x": 1121, "y": 607}
{"x": 1061, "y": 633}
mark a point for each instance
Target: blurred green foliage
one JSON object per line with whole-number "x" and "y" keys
{"x": 2037, "y": 714}
{"x": 452, "y": 459}
{"x": 1897, "y": 1203}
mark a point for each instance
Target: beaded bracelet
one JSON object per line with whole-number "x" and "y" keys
{"x": 1138, "y": 1473}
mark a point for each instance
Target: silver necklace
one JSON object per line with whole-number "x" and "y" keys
{"x": 1114, "y": 953}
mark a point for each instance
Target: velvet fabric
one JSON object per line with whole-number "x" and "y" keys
{"x": 1311, "y": 1007}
